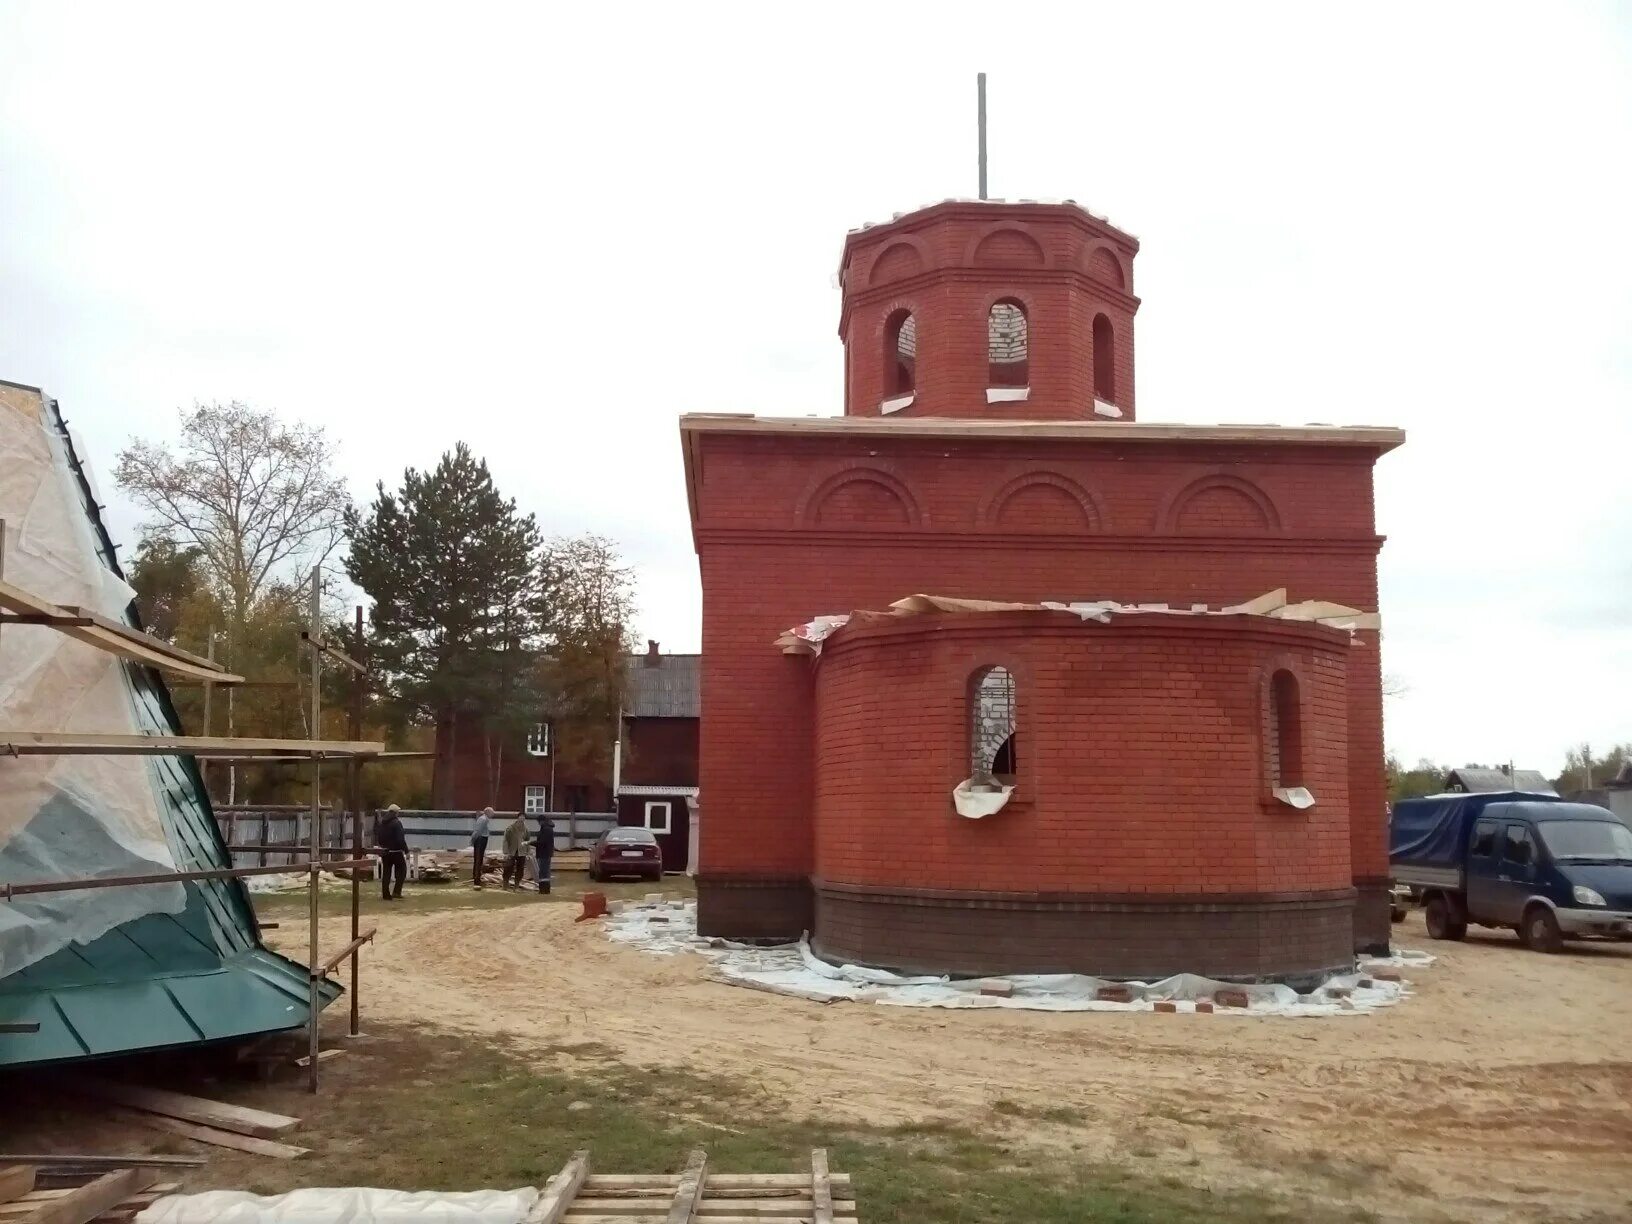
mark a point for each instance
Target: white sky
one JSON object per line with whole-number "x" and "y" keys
{"x": 548, "y": 232}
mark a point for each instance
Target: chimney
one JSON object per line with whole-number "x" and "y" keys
{"x": 653, "y": 658}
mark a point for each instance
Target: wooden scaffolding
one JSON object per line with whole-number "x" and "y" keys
{"x": 20, "y": 607}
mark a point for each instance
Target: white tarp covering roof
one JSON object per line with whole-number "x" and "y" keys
{"x": 66, "y": 816}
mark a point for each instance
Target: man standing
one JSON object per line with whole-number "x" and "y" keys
{"x": 392, "y": 842}
{"x": 478, "y": 846}
{"x": 543, "y": 849}
{"x": 515, "y": 851}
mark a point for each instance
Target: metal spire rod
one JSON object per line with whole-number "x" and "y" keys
{"x": 980, "y": 87}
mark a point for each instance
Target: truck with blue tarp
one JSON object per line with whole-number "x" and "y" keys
{"x": 1545, "y": 868}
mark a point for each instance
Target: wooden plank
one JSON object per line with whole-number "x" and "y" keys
{"x": 113, "y": 637}
{"x": 86, "y": 1161}
{"x": 601, "y": 1183}
{"x": 72, "y": 743}
{"x": 239, "y": 1119}
{"x": 710, "y": 1208}
{"x": 123, "y": 1210}
{"x": 214, "y": 1135}
{"x": 551, "y": 1205}
{"x": 84, "y": 1204}
{"x": 16, "y": 1180}
{"x": 821, "y": 1187}
{"x": 684, "y": 1207}
{"x": 305, "y": 1060}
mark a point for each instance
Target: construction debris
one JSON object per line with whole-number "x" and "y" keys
{"x": 669, "y": 929}
{"x": 199, "y": 1111}
{"x": 112, "y": 1197}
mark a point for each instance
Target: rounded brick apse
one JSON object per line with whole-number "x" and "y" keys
{"x": 1149, "y": 829}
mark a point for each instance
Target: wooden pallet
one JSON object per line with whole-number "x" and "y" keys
{"x": 577, "y": 1196}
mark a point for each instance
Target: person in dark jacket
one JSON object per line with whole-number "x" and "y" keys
{"x": 542, "y": 850}
{"x": 392, "y": 842}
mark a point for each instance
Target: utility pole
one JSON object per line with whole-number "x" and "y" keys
{"x": 980, "y": 89}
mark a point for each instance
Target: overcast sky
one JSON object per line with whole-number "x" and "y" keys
{"x": 547, "y": 232}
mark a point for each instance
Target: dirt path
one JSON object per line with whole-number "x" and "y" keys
{"x": 1502, "y": 1091}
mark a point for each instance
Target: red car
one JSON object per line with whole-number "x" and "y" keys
{"x": 626, "y": 851}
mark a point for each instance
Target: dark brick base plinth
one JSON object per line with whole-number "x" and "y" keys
{"x": 1291, "y": 937}
{"x": 1372, "y": 927}
{"x": 753, "y": 907}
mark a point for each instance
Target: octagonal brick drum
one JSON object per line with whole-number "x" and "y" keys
{"x": 1143, "y": 837}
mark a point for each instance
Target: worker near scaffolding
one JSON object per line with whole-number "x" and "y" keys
{"x": 392, "y": 843}
{"x": 544, "y": 851}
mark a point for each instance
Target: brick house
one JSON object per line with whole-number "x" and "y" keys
{"x": 654, "y": 761}
{"x": 989, "y": 451}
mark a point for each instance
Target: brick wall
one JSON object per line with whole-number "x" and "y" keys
{"x": 1140, "y": 746}
{"x": 782, "y": 537}
{"x": 948, "y": 265}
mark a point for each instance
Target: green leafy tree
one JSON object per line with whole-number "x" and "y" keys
{"x": 1424, "y": 778}
{"x": 1584, "y": 770}
{"x": 456, "y": 576}
{"x": 580, "y": 680}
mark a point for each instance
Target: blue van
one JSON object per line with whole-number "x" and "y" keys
{"x": 1548, "y": 869}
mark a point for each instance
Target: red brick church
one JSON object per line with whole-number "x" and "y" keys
{"x": 1181, "y": 787}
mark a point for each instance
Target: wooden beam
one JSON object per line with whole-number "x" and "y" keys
{"x": 552, "y": 1204}
{"x": 213, "y": 1135}
{"x": 79, "y": 1160}
{"x": 33, "y": 888}
{"x": 821, "y": 1188}
{"x": 683, "y": 1209}
{"x": 115, "y": 638}
{"x": 72, "y": 743}
{"x": 236, "y": 1118}
{"x": 328, "y": 965}
{"x": 16, "y": 1180}
{"x": 93, "y": 1198}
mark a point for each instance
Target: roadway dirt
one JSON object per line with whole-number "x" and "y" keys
{"x": 1501, "y": 1091}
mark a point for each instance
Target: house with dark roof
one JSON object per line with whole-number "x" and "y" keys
{"x": 656, "y": 762}
{"x": 1471, "y": 779}
{"x": 653, "y": 779}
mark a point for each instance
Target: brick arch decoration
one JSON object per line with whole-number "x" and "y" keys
{"x": 989, "y": 516}
{"x": 1168, "y": 518}
{"x": 1103, "y": 263}
{"x": 808, "y": 510}
{"x": 907, "y": 255}
{"x": 1006, "y": 245}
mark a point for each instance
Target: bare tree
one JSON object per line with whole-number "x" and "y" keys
{"x": 254, "y": 496}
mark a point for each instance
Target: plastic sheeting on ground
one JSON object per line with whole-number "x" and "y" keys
{"x": 351, "y": 1205}
{"x": 669, "y": 928}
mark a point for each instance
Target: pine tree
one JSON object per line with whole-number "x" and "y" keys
{"x": 458, "y": 587}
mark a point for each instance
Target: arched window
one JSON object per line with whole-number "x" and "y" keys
{"x": 1284, "y": 735}
{"x": 900, "y": 354}
{"x": 1104, "y": 360}
{"x": 1006, "y": 345}
{"x": 991, "y": 724}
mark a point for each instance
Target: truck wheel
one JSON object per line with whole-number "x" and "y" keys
{"x": 1436, "y": 912}
{"x": 1540, "y": 931}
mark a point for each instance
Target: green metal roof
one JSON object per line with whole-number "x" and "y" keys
{"x": 161, "y": 979}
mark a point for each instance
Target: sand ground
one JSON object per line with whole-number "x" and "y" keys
{"x": 1502, "y": 1090}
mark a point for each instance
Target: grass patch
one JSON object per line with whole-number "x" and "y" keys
{"x": 431, "y": 1111}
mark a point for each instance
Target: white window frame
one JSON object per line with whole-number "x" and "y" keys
{"x": 668, "y": 815}
{"x": 535, "y": 800}
{"x": 538, "y": 740}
